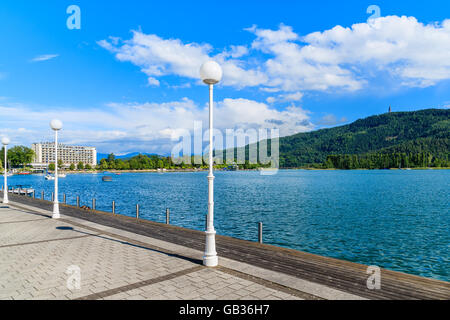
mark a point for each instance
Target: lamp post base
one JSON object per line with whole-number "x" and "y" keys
{"x": 56, "y": 214}
{"x": 5, "y": 201}
{"x": 212, "y": 261}
{"x": 210, "y": 258}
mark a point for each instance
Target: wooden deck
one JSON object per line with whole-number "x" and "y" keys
{"x": 342, "y": 275}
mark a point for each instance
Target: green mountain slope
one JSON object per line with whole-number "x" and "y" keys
{"x": 401, "y": 135}
{"x": 399, "y": 132}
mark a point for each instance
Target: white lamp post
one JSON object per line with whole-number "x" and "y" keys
{"x": 56, "y": 125}
{"x": 211, "y": 73}
{"x": 5, "y": 142}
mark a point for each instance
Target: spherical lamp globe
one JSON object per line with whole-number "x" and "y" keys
{"x": 56, "y": 124}
{"x": 211, "y": 72}
{"x": 5, "y": 141}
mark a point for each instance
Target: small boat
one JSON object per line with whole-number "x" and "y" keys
{"x": 62, "y": 175}
{"x": 106, "y": 178}
{"x": 21, "y": 190}
{"x": 49, "y": 177}
{"x": 23, "y": 173}
{"x": 233, "y": 167}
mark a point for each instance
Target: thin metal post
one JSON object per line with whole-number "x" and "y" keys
{"x": 5, "y": 183}
{"x": 137, "y": 211}
{"x": 167, "y": 216}
{"x": 42, "y": 195}
{"x": 64, "y": 198}
{"x": 53, "y": 197}
{"x": 114, "y": 207}
{"x": 260, "y": 232}
{"x": 93, "y": 204}
{"x": 34, "y": 194}
{"x": 210, "y": 258}
{"x": 78, "y": 201}
{"x": 56, "y": 214}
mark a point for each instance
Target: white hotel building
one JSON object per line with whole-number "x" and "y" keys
{"x": 45, "y": 154}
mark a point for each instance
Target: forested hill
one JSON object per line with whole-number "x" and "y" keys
{"x": 425, "y": 131}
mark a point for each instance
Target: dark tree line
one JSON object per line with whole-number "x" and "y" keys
{"x": 386, "y": 161}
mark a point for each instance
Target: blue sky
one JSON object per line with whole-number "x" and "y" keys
{"x": 127, "y": 80}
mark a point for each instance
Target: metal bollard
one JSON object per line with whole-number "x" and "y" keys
{"x": 78, "y": 201}
{"x": 42, "y": 195}
{"x": 93, "y": 204}
{"x": 53, "y": 197}
{"x": 137, "y": 211}
{"x": 167, "y": 216}
{"x": 114, "y": 207}
{"x": 64, "y": 198}
{"x": 260, "y": 232}
{"x": 34, "y": 194}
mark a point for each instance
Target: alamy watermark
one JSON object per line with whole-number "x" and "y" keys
{"x": 74, "y": 277}
{"x": 374, "y": 280}
{"x": 375, "y": 11}
{"x": 231, "y": 147}
{"x": 74, "y": 20}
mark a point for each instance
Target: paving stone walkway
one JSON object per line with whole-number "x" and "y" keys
{"x": 44, "y": 258}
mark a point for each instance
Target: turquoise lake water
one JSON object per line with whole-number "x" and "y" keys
{"x": 396, "y": 219}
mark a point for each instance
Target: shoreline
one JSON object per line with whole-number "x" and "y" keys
{"x": 118, "y": 172}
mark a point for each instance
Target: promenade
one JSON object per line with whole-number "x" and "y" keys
{"x": 122, "y": 258}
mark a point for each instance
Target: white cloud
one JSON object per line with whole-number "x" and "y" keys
{"x": 271, "y": 100}
{"x": 153, "y": 82}
{"x": 235, "y": 52}
{"x": 244, "y": 113}
{"x": 411, "y": 51}
{"x": 44, "y": 57}
{"x": 161, "y": 57}
{"x": 145, "y": 127}
{"x": 344, "y": 58}
{"x": 295, "y": 96}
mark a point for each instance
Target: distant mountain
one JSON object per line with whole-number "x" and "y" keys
{"x": 101, "y": 156}
{"x": 424, "y": 131}
{"x": 411, "y": 132}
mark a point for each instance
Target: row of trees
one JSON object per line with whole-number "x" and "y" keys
{"x": 386, "y": 161}
{"x": 18, "y": 156}
{"x": 142, "y": 162}
{"x": 72, "y": 167}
